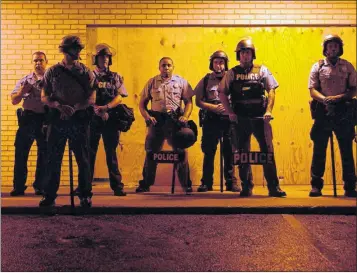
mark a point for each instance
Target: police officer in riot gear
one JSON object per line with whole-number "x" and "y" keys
{"x": 31, "y": 120}
{"x": 110, "y": 90}
{"x": 166, "y": 93}
{"x": 68, "y": 91}
{"x": 246, "y": 84}
{"x": 214, "y": 124}
{"x": 332, "y": 85}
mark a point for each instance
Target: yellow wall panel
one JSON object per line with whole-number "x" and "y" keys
{"x": 288, "y": 52}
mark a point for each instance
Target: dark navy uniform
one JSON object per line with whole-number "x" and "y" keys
{"x": 31, "y": 121}
{"x": 107, "y": 85}
{"x": 68, "y": 87}
{"x": 213, "y": 128}
{"x": 247, "y": 91}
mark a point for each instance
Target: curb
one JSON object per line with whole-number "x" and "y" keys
{"x": 66, "y": 210}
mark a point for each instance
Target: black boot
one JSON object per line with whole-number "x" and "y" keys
{"x": 351, "y": 193}
{"x": 142, "y": 187}
{"x": 247, "y": 189}
{"x": 47, "y": 202}
{"x": 119, "y": 192}
{"x": 188, "y": 190}
{"x": 233, "y": 187}
{"x": 246, "y": 192}
{"x": 85, "y": 202}
{"x": 16, "y": 192}
{"x": 277, "y": 192}
{"x": 315, "y": 192}
{"x": 202, "y": 188}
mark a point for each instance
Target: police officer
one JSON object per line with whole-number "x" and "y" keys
{"x": 246, "y": 83}
{"x": 31, "y": 120}
{"x": 68, "y": 92}
{"x": 166, "y": 92}
{"x": 214, "y": 124}
{"x": 109, "y": 92}
{"x": 332, "y": 85}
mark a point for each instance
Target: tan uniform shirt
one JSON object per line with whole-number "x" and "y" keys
{"x": 167, "y": 95}
{"x": 31, "y": 100}
{"x": 211, "y": 92}
{"x": 332, "y": 80}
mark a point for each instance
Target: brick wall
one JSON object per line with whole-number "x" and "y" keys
{"x": 28, "y": 26}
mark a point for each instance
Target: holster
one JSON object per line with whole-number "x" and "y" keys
{"x": 204, "y": 114}
{"x": 352, "y": 110}
{"x": 201, "y": 116}
{"x": 19, "y": 114}
{"x": 28, "y": 117}
{"x": 317, "y": 110}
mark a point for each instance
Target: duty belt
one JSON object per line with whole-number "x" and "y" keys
{"x": 249, "y": 101}
{"x": 31, "y": 113}
{"x": 215, "y": 102}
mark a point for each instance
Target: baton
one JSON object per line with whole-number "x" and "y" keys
{"x": 257, "y": 118}
{"x": 356, "y": 149}
{"x": 333, "y": 165}
{"x": 173, "y": 178}
{"x": 221, "y": 160}
{"x": 71, "y": 191}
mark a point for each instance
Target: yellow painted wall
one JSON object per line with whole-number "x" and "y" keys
{"x": 288, "y": 52}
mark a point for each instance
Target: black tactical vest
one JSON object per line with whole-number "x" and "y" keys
{"x": 248, "y": 92}
{"x": 105, "y": 86}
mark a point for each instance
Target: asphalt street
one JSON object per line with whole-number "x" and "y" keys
{"x": 279, "y": 242}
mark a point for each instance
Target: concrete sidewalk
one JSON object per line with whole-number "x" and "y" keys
{"x": 160, "y": 201}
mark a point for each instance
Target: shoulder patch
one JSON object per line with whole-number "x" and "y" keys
{"x": 321, "y": 63}
{"x": 121, "y": 78}
{"x": 256, "y": 68}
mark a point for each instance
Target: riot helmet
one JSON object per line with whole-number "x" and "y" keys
{"x": 332, "y": 38}
{"x": 219, "y": 54}
{"x": 103, "y": 50}
{"x": 246, "y": 43}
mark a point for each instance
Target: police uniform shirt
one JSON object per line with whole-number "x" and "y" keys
{"x": 331, "y": 79}
{"x": 167, "y": 95}
{"x": 31, "y": 100}
{"x": 211, "y": 92}
{"x": 264, "y": 76}
{"x": 108, "y": 85}
{"x": 68, "y": 86}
